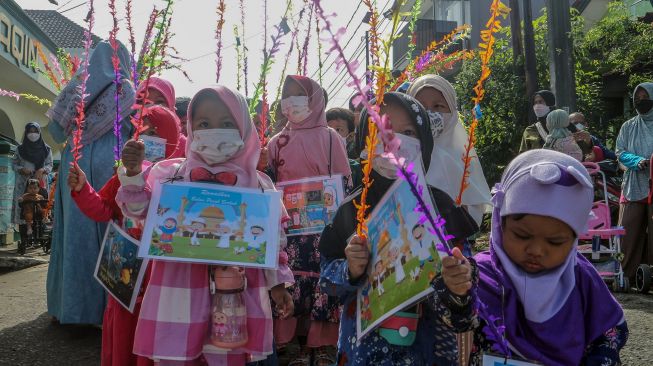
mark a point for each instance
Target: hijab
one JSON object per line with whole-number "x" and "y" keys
{"x": 162, "y": 86}
{"x": 100, "y": 105}
{"x": 534, "y": 308}
{"x": 310, "y": 148}
{"x": 345, "y": 219}
{"x": 557, "y": 122}
{"x": 34, "y": 152}
{"x": 446, "y": 169}
{"x": 243, "y": 163}
{"x": 167, "y": 127}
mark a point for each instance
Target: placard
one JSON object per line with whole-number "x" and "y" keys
{"x": 215, "y": 224}
{"x": 118, "y": 268}
{"x": 311, "y": 203}
{"x": 403, "y": 259}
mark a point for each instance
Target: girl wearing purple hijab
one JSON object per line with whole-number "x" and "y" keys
{"x": 555, "y": 308}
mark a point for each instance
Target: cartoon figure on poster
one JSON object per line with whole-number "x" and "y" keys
{"x": 221, "y": 225}
{"x": 400, "y": 248}
{"x": 330, "y": 205}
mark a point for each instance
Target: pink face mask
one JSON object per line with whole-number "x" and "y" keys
{"x": 295, "y": 109}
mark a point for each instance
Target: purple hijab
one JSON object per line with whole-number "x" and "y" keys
{"x": 550, "y": 317}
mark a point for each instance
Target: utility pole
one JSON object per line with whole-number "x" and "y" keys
{"x": 561, "y": 56}
{"x": 530, "y": 61}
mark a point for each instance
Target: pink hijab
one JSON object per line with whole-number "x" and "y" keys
{"x": 243, "y": 163}
{"x": 162, "y": 86}
{"x": 310, "y": 148}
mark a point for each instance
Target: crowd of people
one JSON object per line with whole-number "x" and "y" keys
{"x": 532, "y": 281}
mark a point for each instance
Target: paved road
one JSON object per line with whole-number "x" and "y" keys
{"x": 28, "y": 338}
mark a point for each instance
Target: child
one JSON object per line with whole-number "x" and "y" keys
{"x": 173, "y": 326}
{"x": 31, "y": 202}
{"x": 560, "y": 138}
{"x": 119, "y": 325}
{"x": 342, "y": 120}
{"x": 345, "y": 260}
{"x": 555, "y": 308}
{"x": 307, "y": 147}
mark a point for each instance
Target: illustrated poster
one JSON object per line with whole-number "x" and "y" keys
{"x": 403, "y": 259}
{"x": 118, "y": 268}
{"x": 215, "y": 224}
{"x": 311, "y": 203}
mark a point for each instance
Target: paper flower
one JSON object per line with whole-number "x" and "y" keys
{"x": 218, "y": 36}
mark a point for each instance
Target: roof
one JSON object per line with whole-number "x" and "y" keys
{"x": 64, "y": 32}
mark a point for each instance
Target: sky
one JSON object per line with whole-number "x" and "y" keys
{"x": 194, "y": 25}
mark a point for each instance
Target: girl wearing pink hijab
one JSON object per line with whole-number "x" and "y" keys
{"x": 161, "y": 92}
{"x": 307, "y": 148}
{"x": 174, "y": 322}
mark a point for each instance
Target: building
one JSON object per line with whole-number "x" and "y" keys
{"x": 20, "y": 31}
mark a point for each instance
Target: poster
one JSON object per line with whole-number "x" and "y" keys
{"x": 118, "y": 268}
{"x": 311, "y": 203}
{"x": 7, "y": 183}
{"x": 403, "y": 258}
{"x": 209, "y": 223}
{"x": 155, "y": 148}
{"x": 489, "y": 360}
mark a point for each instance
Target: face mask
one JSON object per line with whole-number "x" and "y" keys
{"x": 216, "y": 145}
{"x": 295, "y": 109}
{"x": 580, "y": 126}
{"x": 410, "y": 149}
{"x": 155, "y": 148}
{"x": 34, "y": 136}
{"x": 541, "y": 110}
{"x": 644, "y": 106}
{"x": 437, "y": 122}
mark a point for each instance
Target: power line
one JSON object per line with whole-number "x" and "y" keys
{"x": 74, "y": 7}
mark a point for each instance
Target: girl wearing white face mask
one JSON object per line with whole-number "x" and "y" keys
{"x": 306, "y": 148}
{"x": 32, "y": 160}
{"x": 534, "y": 135}
{"x": 344, "y": 260}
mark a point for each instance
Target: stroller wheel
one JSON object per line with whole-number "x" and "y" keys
{"x": 643, "y": 278}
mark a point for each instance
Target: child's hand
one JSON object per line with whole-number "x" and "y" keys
{"x": 76, "y": 178}
{"x": 357, "y": 257}
{"x": 283, "y": 301}
{"x": 133, "y": 154}
{"x": 457, "y": 273}
{"x": 262, "y": 160}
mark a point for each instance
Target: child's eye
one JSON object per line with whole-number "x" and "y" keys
{"x": 557, "y": 243}
{"x": 521, "y": 236}
{"x": 409, "y": 133}
{"x": 228, "y": 124}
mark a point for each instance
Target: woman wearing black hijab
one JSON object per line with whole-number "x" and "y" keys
{"x": 33, "y": 160}
{"x": 534, "y": 135}
{"x": 410, "y": 122}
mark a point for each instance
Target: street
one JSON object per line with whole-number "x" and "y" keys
{"x": 27, "y": 336}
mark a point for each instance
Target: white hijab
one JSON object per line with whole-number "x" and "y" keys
{"x": 446, "y": 169}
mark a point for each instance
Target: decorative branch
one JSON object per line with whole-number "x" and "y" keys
{"x": 49, "y": 73}
{"x": 218, "y": 36}
{"x": 239, "y": 59}
{"x": 497, "y": 9}
{"x": 412, "y": 37}
{"x": 302, "y": 66}
{"x": 319, "y": 47}
{"x": 245, "y": 58}
{"x": 117, "y": 80}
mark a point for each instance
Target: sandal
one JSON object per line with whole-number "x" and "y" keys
{"x": 303, "y": 358}
{"x": 325, "y": 356}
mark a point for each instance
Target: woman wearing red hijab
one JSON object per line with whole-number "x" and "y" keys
{"x": 118, "y": 323}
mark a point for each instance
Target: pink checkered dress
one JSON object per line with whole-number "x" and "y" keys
{"x": 174, "y": 322}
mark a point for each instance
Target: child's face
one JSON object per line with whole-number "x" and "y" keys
{"x": 340, "y": 125}
{"x": 433, "y": 100}
{"x": 537, "y": 243}
{"x": 151, "y": 130}
{"x": 33, "y": 189}
{"x": 156, "y": 97}
{"x": 328, "y": 199}
{"x": 418, "y": 233}
{"x": 292, "y": 89}
{"x": 212, "y": 113}
{"x": 400, "y": 120}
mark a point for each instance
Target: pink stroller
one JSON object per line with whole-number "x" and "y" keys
{"x": 601, "y": 241}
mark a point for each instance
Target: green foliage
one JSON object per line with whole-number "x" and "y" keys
{"x": 615, "y": 45}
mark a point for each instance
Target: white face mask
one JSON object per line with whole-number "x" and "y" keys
{"x": 295, "y": 109}
{"x": 33, "y": 136}
{"x": 541, "y": 110}
{"x": 580, "y": 126}
{"x": 437, "y": 122}
{"x": 216, "y": 145}
{"x": 155, "y": 148}
{"x": 410, "y": 149}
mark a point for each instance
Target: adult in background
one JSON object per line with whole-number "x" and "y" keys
{"x": 634, "y": 149}
{"x": 582, "y": 125}
{"x": 181, "y": 106}
{"x": 33, "y": 160}
{"x": 74, "y": 296}
{"x": 534, "y": 136}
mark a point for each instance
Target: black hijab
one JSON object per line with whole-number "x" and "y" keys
{"x": 34, "y": 152}
{"x": 549, "y": 99}
{"x": 334, "y": 237}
